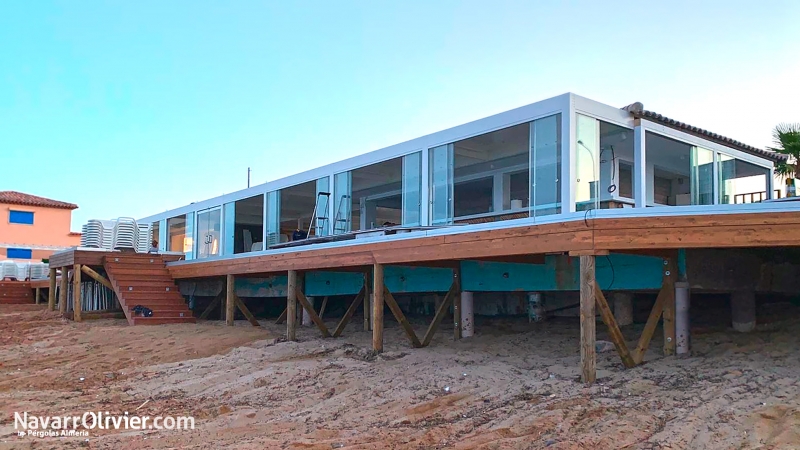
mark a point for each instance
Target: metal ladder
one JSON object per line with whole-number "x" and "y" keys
{"x": 340, "y": 222}
{"x": 321, "y": 222}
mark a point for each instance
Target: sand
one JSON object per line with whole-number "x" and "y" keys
{"x": 512, "y": 386}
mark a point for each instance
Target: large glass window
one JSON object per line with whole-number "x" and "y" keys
{"x": 412, "y": 189}
{"x": 375, "y": 196}
{"x": 510, "y": 173}
{"x": 244, "y": 225}
{"x": 274, "y": 219}
{"x": 587, "y": 156}
{"x": 180, "y": 230}
{"x": 545, "y": 164}
{"x": 156, "y": 227}
{"x": 677, "y": 173}
{"x": 484, "y": 168}
{"x": 742, "y": 182}
{"x": 321, "y": 221}
{"x": 209, "y": 232}
{"x": 342, "y": 203}
{"x": 441, "y": 184}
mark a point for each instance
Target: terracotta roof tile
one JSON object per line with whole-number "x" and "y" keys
{"x": 18, "y": 198}
{"x": 637, "y": 110}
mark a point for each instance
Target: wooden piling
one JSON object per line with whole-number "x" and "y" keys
{"x": 291, "y": 306}
{"x": 51, "y": 293}
{"x": 62, "y": 295}
{"x": 367, "y": 300}
{"x": 76, "y": 293}
{"x": 230, "y": 300}
{"x": 36, "y": 295}
{"x": 377, "y": 307}
{"x": 587, "y": 279}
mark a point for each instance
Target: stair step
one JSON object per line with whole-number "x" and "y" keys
{"x": 155, "y": 284}
{"x": 160, "y": 310}
{"x": 162, "y": 320}
{"x": 143, "y": 271}
{"x": 143, "y": 279}
{"x": 151, "y": 288}
{"x": 152, "y": 302}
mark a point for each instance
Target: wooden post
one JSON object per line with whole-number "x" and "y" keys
{"x": 377, "y": 308}
{"x": 230, "y": 300}
{"x": 587, "y": 277}
{"x": 367, "y": 300}
{"x": 291, "y": 306}
{"x": 76, "y": 293}
{"x": 36, "y": 295}
{"x": 670, "y": 274}
{"x": 457, "y": 305}
{"x": 51, "y": 293}
{"x": 62, "y": 295}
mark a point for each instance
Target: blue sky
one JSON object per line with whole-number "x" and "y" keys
{"x": 132, "y": 108}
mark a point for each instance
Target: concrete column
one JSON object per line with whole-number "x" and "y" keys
{"x": 306, "y": 316}
{"x": 743, "y": 311}
{"x": 683, "y": 336}
{"x": 623, "y": 308}
{"x": 467, "y": 315}
{"x": 536, "y": 309}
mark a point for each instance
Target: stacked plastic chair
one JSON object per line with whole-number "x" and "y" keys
{"x": 125, "y": 234}
{"x": 39, "y": 270}
{"x": 23, "y": 271}
{"x": 98, "y": 234}
{"x": 144, "y": 236}
{"x": 8, "y": 269}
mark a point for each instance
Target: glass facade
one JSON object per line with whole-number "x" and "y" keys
{"x": 702, "y": 182}
{"x": 412, "y": 189}
{"x": 507, "y": 173}
{"x": 273, "y": 218}
{"x": 322, "y": 223}
{"x": 229, "y": 218}
{"x": 342, "y": 219}
{"x": 545, "y": 164}
{"x": 587, "y": 156}
{"x": 441, "y": 184}
{"x": 209, "y": 233}
{"x": 678, "y": 174}
{"x": 741, "y": 181}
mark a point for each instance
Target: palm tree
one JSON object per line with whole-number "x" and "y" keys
{"x": 786, "y": 137}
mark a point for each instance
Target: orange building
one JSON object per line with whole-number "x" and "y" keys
{"x": 33, "y": 228}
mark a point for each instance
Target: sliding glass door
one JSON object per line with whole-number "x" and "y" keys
{"x": 545, "y": 164}
{"x": 441, "y": 184}
{"x": 209, "y": 227}
{"x": 412, "y": 185}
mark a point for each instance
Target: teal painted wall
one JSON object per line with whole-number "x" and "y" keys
{"x": 617, "y": 272}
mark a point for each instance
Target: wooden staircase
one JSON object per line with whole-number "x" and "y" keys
{"x": 143, "y": 279}
{"x": 15, "y": 293}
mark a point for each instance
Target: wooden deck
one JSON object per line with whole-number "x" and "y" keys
{"x": 137, "y": 280}
{"x": 654, "y": 235}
